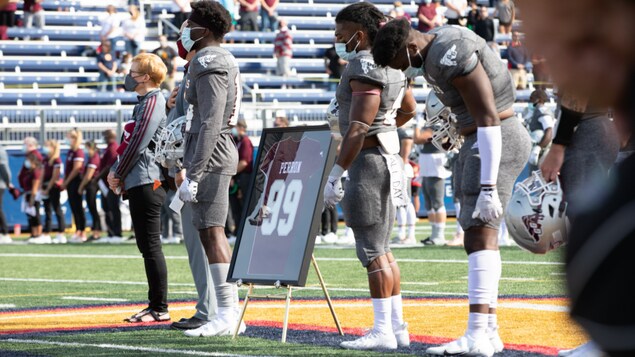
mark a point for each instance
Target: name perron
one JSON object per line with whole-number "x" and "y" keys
{"x": 290, "y": 167}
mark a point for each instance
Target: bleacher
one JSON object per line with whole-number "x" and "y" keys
{"x": 54, "y": 72}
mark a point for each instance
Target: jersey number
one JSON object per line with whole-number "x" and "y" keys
{"x": 287, "y": 198}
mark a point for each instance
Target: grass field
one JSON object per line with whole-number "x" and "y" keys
{"x": 69, "y": 300}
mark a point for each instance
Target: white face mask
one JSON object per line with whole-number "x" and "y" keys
{"x": 412, "y": 72}
{"x": 340, "y": 49}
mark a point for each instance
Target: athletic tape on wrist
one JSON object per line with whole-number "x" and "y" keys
{"x": 490, "y": 147}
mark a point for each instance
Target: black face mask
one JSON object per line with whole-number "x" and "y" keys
{"x": 130, "y": 83}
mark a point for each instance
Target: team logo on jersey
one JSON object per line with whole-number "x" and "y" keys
{"x": 533, "y": 224}
{"x": 205, "y": 60}
{"x": 367, "y": 66}
{"x": 449, "y": 58}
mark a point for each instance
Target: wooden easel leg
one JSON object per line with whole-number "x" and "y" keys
{"x": 242, "y": 311}
{"x": 286, "y": 315}
{"x": 327, "y": 296}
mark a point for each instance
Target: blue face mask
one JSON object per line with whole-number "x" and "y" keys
{"x": 235, "y": 132}
{"x": 413, "y": 72}
{"x": 186, "y": 40}
{"x": 46, "y": 150}
{"x": 340, "y": 49}
{"x": 27, "y": 165}
{"x": 531, "y": 105}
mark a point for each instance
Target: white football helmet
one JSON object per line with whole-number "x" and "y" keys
{"x": 535, "y": 214}
{"x": 332, "y": 116}
{"x": 443, "y": 123}
{"x": 170, "y": 145}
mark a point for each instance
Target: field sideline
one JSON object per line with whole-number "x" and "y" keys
{"x": 70, "y": 300}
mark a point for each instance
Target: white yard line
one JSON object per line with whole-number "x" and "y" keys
{"x": 183, "y": 257}
{"x": 113, "y": 282}
{"x": 529, "y": 306}
{"x": 118, "y": 347}
{"x": 7, "y": 306}
{"x": 418, "y": 283}
{"x": 88, "y": 298}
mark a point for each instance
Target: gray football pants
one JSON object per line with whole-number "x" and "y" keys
{"x": 206, "y": 305}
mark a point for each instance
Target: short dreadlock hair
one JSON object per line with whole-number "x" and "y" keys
{"x": 217, "y": 18}
{"x": 365, "y": 14}
{"x": 391, "y": 38}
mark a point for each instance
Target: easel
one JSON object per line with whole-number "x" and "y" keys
{"x": 287, "y": 297}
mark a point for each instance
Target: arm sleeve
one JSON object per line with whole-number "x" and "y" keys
{"x": 147, "y": 124}
{"x": 214, "y": 85}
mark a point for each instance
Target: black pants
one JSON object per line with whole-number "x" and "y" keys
{"x": 110, "y": 204}
{"x": 52, "y": 204}
{"x": 236, "y": 203}
{"x": 145, "y": 211}
{"x": 91, "y": 201}
{"x": 3, "y": 219}
{"x": 329, "y": 220}
{"x": 34, "y": 221}
{"x": 75, "y": 200}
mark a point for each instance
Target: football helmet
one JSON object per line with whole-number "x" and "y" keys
{"x": 333, "y": 116}
{"x": 170, "y": 144}
{"x": 535, "y": 214}
{"x": 445, "y": 135}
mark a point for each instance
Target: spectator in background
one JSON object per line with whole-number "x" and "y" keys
{"x": 33, "y": 14}
{"x": 540, "y": 71}
{"x": 334, "y": 67}
{"x": 269, "y": 15}
{"x": 110, "y": 29}
{"x": 428, "y": 16}
{"x": 519, "y": 61}
{"x": 7, "y": 17}
{"x": 109, "y": 201}
{"x": 248, "y": 15}
{"x": 91, "y": 187}
{"x": 473, "y": 14}
{"x": 456, "y": 11}
{"x": 283, "y": 49}
{"x": 243, "y": 171}
{"x": 124, "y": 66}
{"x": 5, "y": 183}
{"x": 107, "y": 67}
{"x": 485, "y": 26}
{"x": 181, "y": 10}
{"x": 398, "y": 12}
{"x": 30, "y": 178}
{"x": 134, "y": 30}
{"x": 230, "y": 6}
{"x": 52, "y": 179}
{"x": 74, "y": 169}
{"x": 506, "y": 14}
{"x": 280, "y": 121}
{"x": 540, "y": 125}
{"x": 168, "y": 56}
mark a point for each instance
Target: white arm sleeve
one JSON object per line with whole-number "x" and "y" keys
{"x": 490, "y": 147}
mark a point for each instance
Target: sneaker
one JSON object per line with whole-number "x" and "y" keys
{"x": 329, "y": 238}
{"x": 371, "y": 341}
{"x": 411, "y": 240}
{"x": 171, "y": 240}
{"x": 347, "y": 239}
{"x": 116, "y": 240}
{"x": 59, "y": 239}
{"x": 40, "y": 240}
{"x": 464, "y": 346}
{"x": 589, "y": 349}
{"x": 401, "y": 335}
{"x": 217, "y": 327}
{"x": 434, "y": 241}
{"x": 495, "y": 339}
{"x": 5, "y": 239}
{"x": 457, "y": 241}
{"x": 318, "y": 239}
{"x": 77, "y": 239}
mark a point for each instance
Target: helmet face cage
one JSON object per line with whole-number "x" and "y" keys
{"x": 445, "y": 135}
{"x": 170, "y": 146}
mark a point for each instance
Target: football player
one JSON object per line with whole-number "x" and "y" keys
{"x": 595, "y": 62}
{"x": 467, "y": 76}
{"x": 373, "y": 101}
{"x": 540, "y": 126}
{"x": 213, "y": 91}
{"x": 206, "y": 304}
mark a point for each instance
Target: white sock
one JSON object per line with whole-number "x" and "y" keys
{"x": 382, "y": 311}
{"x": 492, "y": 322}
{"x": 477, "y": 325}
{"x": 441, "y": 230}
{"x": 397, "y": 311}
{"x": 412, "y": 220}
{"x": 497, "y": 266}
{"x": 225, "y": 292}
{"x": 401, "y": 221}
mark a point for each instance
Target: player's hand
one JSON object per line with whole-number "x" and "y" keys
{"x": 172, "y": 100}
{"x": 333, "y": 191}
{"x": 488, "y": 204}
{"x": 179, "y": 177}
{"x": 535, "y": 154}
{"x": 552, "y": 162}
{"x": 188, "y": 190}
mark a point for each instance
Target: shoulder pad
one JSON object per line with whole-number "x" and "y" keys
{"x": 365, "y": 70}
{"x": 211, "y": 59}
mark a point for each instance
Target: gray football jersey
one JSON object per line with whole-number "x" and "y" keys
{"x": 455, "y": 51}
{"x": 214, "y": 92}
{"x": 392, "y": 82}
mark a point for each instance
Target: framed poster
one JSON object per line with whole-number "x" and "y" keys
{"x": 283, "y": 209}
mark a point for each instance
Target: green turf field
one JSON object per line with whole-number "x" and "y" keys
{"x": 38, "y": 276}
